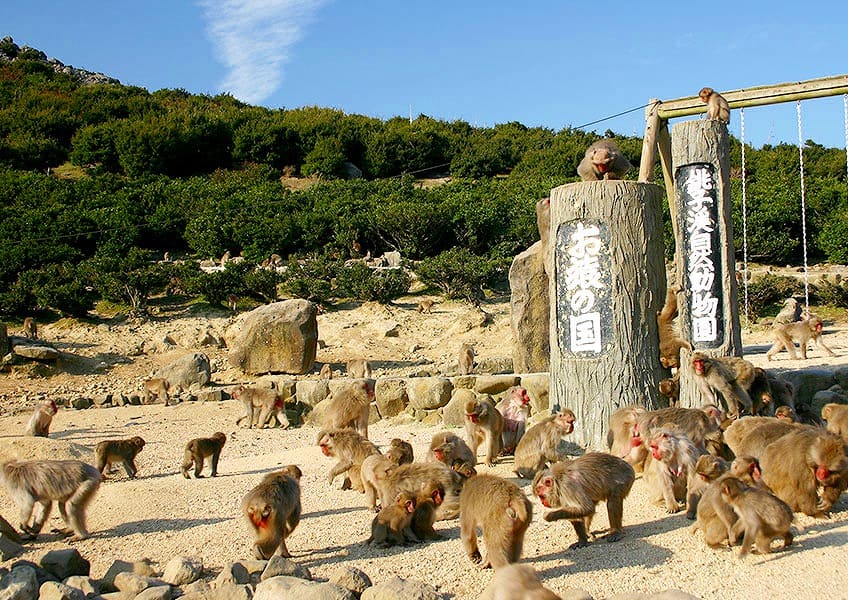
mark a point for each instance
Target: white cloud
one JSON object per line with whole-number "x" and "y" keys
{"x": 254, "y": 39}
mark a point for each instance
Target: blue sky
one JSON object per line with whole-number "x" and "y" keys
{"x": 546, "y": 62}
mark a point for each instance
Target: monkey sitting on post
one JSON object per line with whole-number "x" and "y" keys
{"x": 123, "y": 451}
{"x": 200, "y": 448}
{"x": 39, "y": 422}
{"x": 717, "y": 106}
{"x": 603, "y": 160}
{"x": 801, "y": 331}
{"x": 70, "y": 483}
{"x": 273, "y": 510}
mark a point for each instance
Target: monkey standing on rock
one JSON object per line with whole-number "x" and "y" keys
{"x": 603, "y": 160}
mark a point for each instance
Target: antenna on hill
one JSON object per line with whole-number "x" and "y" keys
{"x": 410, "y": 113}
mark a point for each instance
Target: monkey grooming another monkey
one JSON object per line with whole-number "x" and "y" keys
{"x": 350, "y": 406}
{"x": 574, "y": 487}
{"x": 716, "y": 518}
{"x": 392, "y": 525}
{"x": 717, "y": 106}
{"x": 515, "y": 409}
{"x": 763, "y": 515}
{"x": 273, "y": 510}
{"x": 199, "y": 449}
{"x": 358, "y": 368}
{"x": 465, "y": 359}
{"x": 540, "y": 444}
{"x": 260, "y": 406}
{"x": 801, "y": 331}
{"x": 502, "y": 510}
{"x": 351, "y": 449}
{"x": 30, "y": 328}
{"x": 729, "y": 377}
{"x": 517, "y": 582}
{"x": 670, "y": 342}
{"x": 156, "y": 390}
{"x": 447, "y": 447}
{"x": 483, "y": 423}
{"x": 603, "y": 160}
{"x": 39, "y": 422}
{"x": 71, "y": 483}
{"x": 123, "y": 451}
{"x": 425, "y": 478}
{"x": 701, "y": 425}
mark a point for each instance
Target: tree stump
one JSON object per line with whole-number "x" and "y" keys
{"x": 708, "y": 312}
{"x": 608, "y": 285}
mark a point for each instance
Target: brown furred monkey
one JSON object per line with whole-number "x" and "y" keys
{"x": 574, "y": 487}
{"x": 623, "y": 436}
{"x": 123, "y": 451}
{"x": 400, "y": 452}
{"x": 350, "y": 406}
{"x": 71, "y": 483}
{"x": 751, "y": 435}
{"x": 426, "y": 306}
{"x": 465, "y": 359}
{"x": 483, "y": 423}
{"x": 39, "y": 422}
{"x": 30, "y": 328}
{"x": 763, "y": 515}
{"x": 603, "y": 160}
{"x": 701, "y": 425}
{"x": 515, "y": 409}
{"x": 350, "y": 449}
{"x": 156, "y": 390}
{"x": 786, "y": 413}
{"x": 447, "y": 447}
{"x": 393, "y": 524}
{"x": 836, "y": 416}
{"x": 671, "y": 471}
{"x": 670, "y": 388}
{"x": 502, "y": 511}
{"x": 358, "y": 368}
{"x": 717, "y": 106}
{"x": 517, "y": 582}
{"x": 670, "y": 341}
{"x": 261, "y": 405}
{"x": 426, "y": 503}
{"x": 728, "y": 377}
{"x": 200, "y": 448}
{"x": 801, "y": 331}
{"x": 540, "y": 445}
{"x": 273, "y": 510}
{"x": 374, "y": 472}
{"x": 326, "y": 372}
{"x": 423, "y": 478}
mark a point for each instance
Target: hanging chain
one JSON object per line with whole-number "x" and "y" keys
{"x": 803, "y": 208}
{"x": 744, "y": 220}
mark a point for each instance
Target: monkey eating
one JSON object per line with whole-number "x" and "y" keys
{"x": 273, "y": 510}
{"x": 717, "y": 106}
{"x": 574, "y": 487}
{"x": 199, "y": 449}
{"x": 39, "y": 422}
{"x": 483, "y": 423}
{"x": 70, "y": 483}
{"x": 603, "y": 160}
{"x": 515, "y": 409}
{"x": 123, "y": 451}
{"x": 540, "y": 445}
{"x": 261, "y": 405}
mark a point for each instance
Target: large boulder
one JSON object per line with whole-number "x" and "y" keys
{"x": 453, "y": 414}
{"x": 530, "y": 312}
{"x": 312, "y": 391}
{"x": 427, "y": 393}
{"x": 281, "y": 337}
{"x": 390, "y": 396}
{"x": 189, "y": 370}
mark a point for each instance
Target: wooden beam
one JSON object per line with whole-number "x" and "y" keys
{"x": 758, "y": 96}
{"x": 649, "y": 142}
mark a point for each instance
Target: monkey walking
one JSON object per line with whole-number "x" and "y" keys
{"x": 123, "y": 451}
{"x": 540, "y": 444}
{"x": 200, "y": 448}
{"x": 39, "y": 422}
{"x": 801, "y": 331}
{"x": 261, "y": 407}
{"x": 38, "y": 483}
{"x": 156, "y": 389}
{"x": 273, "y": 510}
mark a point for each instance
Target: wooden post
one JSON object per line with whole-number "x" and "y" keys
{"x": 709, "y": 317}
{"x": 607, "y": 286}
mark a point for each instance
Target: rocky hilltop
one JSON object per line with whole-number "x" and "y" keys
{"x": 10, "y": 52}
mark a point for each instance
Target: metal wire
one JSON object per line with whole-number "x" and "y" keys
{"x": 803, "y": 208}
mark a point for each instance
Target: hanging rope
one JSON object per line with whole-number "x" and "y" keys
{"x": 744, "y": 218}
{"x": 845, "y": 109}
{"x": 803, "y": 208}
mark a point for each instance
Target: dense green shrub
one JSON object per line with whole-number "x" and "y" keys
{"x": 457, "y": 273}
{"x": 769, "y": 291}
{"x": 360, "y": 282}
{"x": 311, "y": 279}
{"x": 831, "y": 293}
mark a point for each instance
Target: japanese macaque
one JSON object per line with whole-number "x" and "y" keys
{"x": 465, "y": 359}
{"x": 729, "y": 376}
{"x": 763, "y": 516}
{"x": 358, "y": 368}
{"x": 392, "y": 525}
{"x": 603, "y": 160}
{"x": 350, "y": 449}
{"x": 517, "y": 582}
{"x": 400, "y": 452}
{"x": 716, "y": 518}
{"x": 786, "y": 413}
{"x": 836, "y": 416}
{"x": 750, "y": 435}
{"x": 424, "y": 478}
{"x": 502, "y": 511}
{"x": 30, "y": 328}
{"x": 797, "y": 464}
{"x": 35, "y": 484}
{"x": 232, "y": 302}
{"x": 623, "y": 437}
{"x": 156, "y": 390}
{"x": 463, "y": 468}
{"x": 447, "y": 447}
{"x": 273, "y": 510}
{"x": 426, "y": 306}
{"x": 670, "y": 341}
{"x": 670, "y": 388}
{"x": 39, "y": 422}
{"x": 483, "y": 423}
{"x": 790, "y": 312}
{"x": 671, "y": 472}
{"x": 326, "y": 372}
{"x": 708, "y": 468}
{"x": 108, "y": 452}
{"x": 261, "y": 406}
{"x": 574, "y": 487}
{"x": 198, "y": 449}
{"x": 701, "y": 425}
{"x": 515, "y": 409}
{"x": 717, "y": 106}
{"x": 802, "y": 332}
{"x": 540, "y": 445}
{"x": 428, "y": 500}
{"x": 350, "y": 406}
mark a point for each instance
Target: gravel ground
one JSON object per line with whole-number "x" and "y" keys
{"x": 161, "y": 515}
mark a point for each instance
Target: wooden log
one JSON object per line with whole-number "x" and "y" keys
{"x": 708, "y": 310}
{"x": 608, "y": 284}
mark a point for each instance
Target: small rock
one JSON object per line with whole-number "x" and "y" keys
{"x": 9, "y": 548}
{"x": 279, "y": 565}
{"x": 401, "y": 589}
{"x": 232, "y": 573}
{"x": 19, "y": 584}
{"x": 86, "y": 585}
{"x": 66, "y": 562}
{"x": 351, "y": 578}
{"x": 53, "y": 590}
{"x": 181, "y": 570}
{"x": 134, "y": 583}
{"x": 156, "y": 592}
{"x": 81, "y": 403}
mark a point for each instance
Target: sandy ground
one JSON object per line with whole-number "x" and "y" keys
{"x": 160, "y": 514}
